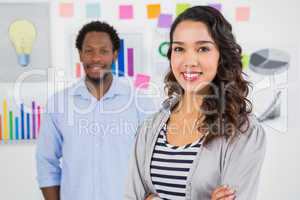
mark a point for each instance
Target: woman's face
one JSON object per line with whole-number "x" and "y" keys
{"x": 194, "y": 57}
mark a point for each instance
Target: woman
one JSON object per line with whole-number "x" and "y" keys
{"x": 204, "y": 144}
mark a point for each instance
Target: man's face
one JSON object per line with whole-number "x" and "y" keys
{"x": 97, "y": 55}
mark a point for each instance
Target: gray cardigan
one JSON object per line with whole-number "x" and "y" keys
{"x": 236, "y": 164}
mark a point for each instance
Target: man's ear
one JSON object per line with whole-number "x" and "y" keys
{"x": 115, "y": 55}
{"x": 80, "y": 55}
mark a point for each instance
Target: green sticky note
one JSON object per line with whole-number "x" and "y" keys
{"x": 245, "y": 61}
{"x": 180, "y": 7}
{"x": 93, "y": 10}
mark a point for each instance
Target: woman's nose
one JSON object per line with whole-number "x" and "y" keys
{"x": 191, "y": 59}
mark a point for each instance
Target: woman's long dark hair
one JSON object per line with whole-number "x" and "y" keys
{"x": 228, "y": 114}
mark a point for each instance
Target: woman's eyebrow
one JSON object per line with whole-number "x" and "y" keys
{"x": 197, "y": 42}
{"x": 204, "y": 42}
{"x": 178, "y": 42}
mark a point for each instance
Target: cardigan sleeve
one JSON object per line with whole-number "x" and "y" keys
{"x": 243, "y": 161}
{"x": 135, "y": 186}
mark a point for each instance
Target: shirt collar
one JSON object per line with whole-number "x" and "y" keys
{"x": 116, "y": 88}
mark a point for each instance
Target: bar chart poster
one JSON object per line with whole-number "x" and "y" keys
{"x": 21, "y": 108}
{"x": 129, "y": 61}
{"x": 19, "y": 123}
{"x": 130, "y": 57}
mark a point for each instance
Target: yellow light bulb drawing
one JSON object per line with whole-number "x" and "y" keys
{"x": 22, "y": 34}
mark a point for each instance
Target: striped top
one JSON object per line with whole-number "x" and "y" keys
{"x": 170, "y": 166}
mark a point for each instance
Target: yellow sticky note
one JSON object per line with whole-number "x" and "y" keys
{"x": 242, "y": 13}
{"x": 180, "y": 7}
{"x": 153, "y": 11}
{"x": 245, "y": 61}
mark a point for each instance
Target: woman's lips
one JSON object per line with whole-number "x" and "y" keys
{"x": 191, "y": 76}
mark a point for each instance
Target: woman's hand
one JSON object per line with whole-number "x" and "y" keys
{"x": 149, "y": 197}
{"x": 223, "y": 193}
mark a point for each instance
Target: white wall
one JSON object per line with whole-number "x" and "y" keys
{"x": 273, "y": 24}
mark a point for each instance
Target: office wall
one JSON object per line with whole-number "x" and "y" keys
{"x": 270, "y": 24}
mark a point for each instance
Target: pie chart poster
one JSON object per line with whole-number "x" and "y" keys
{"x": 39, "y": 58}
{"x": 268, "y": 71}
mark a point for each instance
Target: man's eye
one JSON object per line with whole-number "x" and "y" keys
{"x": 103, "y": 51}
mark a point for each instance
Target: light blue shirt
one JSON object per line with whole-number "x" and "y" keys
{"x": 85, "y": 143}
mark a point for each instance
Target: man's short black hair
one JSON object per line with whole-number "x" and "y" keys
{"x": 98, "y": 27}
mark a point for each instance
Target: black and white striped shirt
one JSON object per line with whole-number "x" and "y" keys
{"x": 170, "y": 166}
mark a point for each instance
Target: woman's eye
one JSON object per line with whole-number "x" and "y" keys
{"x": 203, "y": 49}
{"x": 178, "y": 49}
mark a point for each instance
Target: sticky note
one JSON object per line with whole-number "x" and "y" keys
{"x": 180, "y": 7}
{"x": 164, "y": 21}
{"x": 245, "y": 61}
{"x": 66, "y": 9}
{"x": 142, "y": 81}
{"x": 92, "y": 10}
{"x": 153, "y": 11}
{"x": 217, "y": 6}
{"x": 78, "y": 70}
{"x": 125, "y": 12}
{"x": 65, "y": 1}
{"x": 242, "y": 13}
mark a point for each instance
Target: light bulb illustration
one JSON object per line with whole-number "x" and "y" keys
{"x": 22, "y": 34}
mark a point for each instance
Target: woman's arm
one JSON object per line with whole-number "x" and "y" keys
{"x": 135, "y": 188}
{"x": 243, "y": 161}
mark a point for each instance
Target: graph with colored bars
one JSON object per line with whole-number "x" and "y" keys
{"x": 23, "y": 125}
{"x": 129, "y": 61}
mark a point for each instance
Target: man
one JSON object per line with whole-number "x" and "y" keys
{"x": 88, "y": 129}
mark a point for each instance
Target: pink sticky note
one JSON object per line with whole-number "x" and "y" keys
{"x": 78, "y": 70}
{"x": 164, "y": 21}
{"x": 126, "y": 12}
{"x": 142, "y": 81}
{"x": 242, "y": 13}
{"x": 66, "y": 9}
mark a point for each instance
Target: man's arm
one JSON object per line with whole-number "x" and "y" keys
{"x": 51, "y": 193}
{"x": 48, "y": 154}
